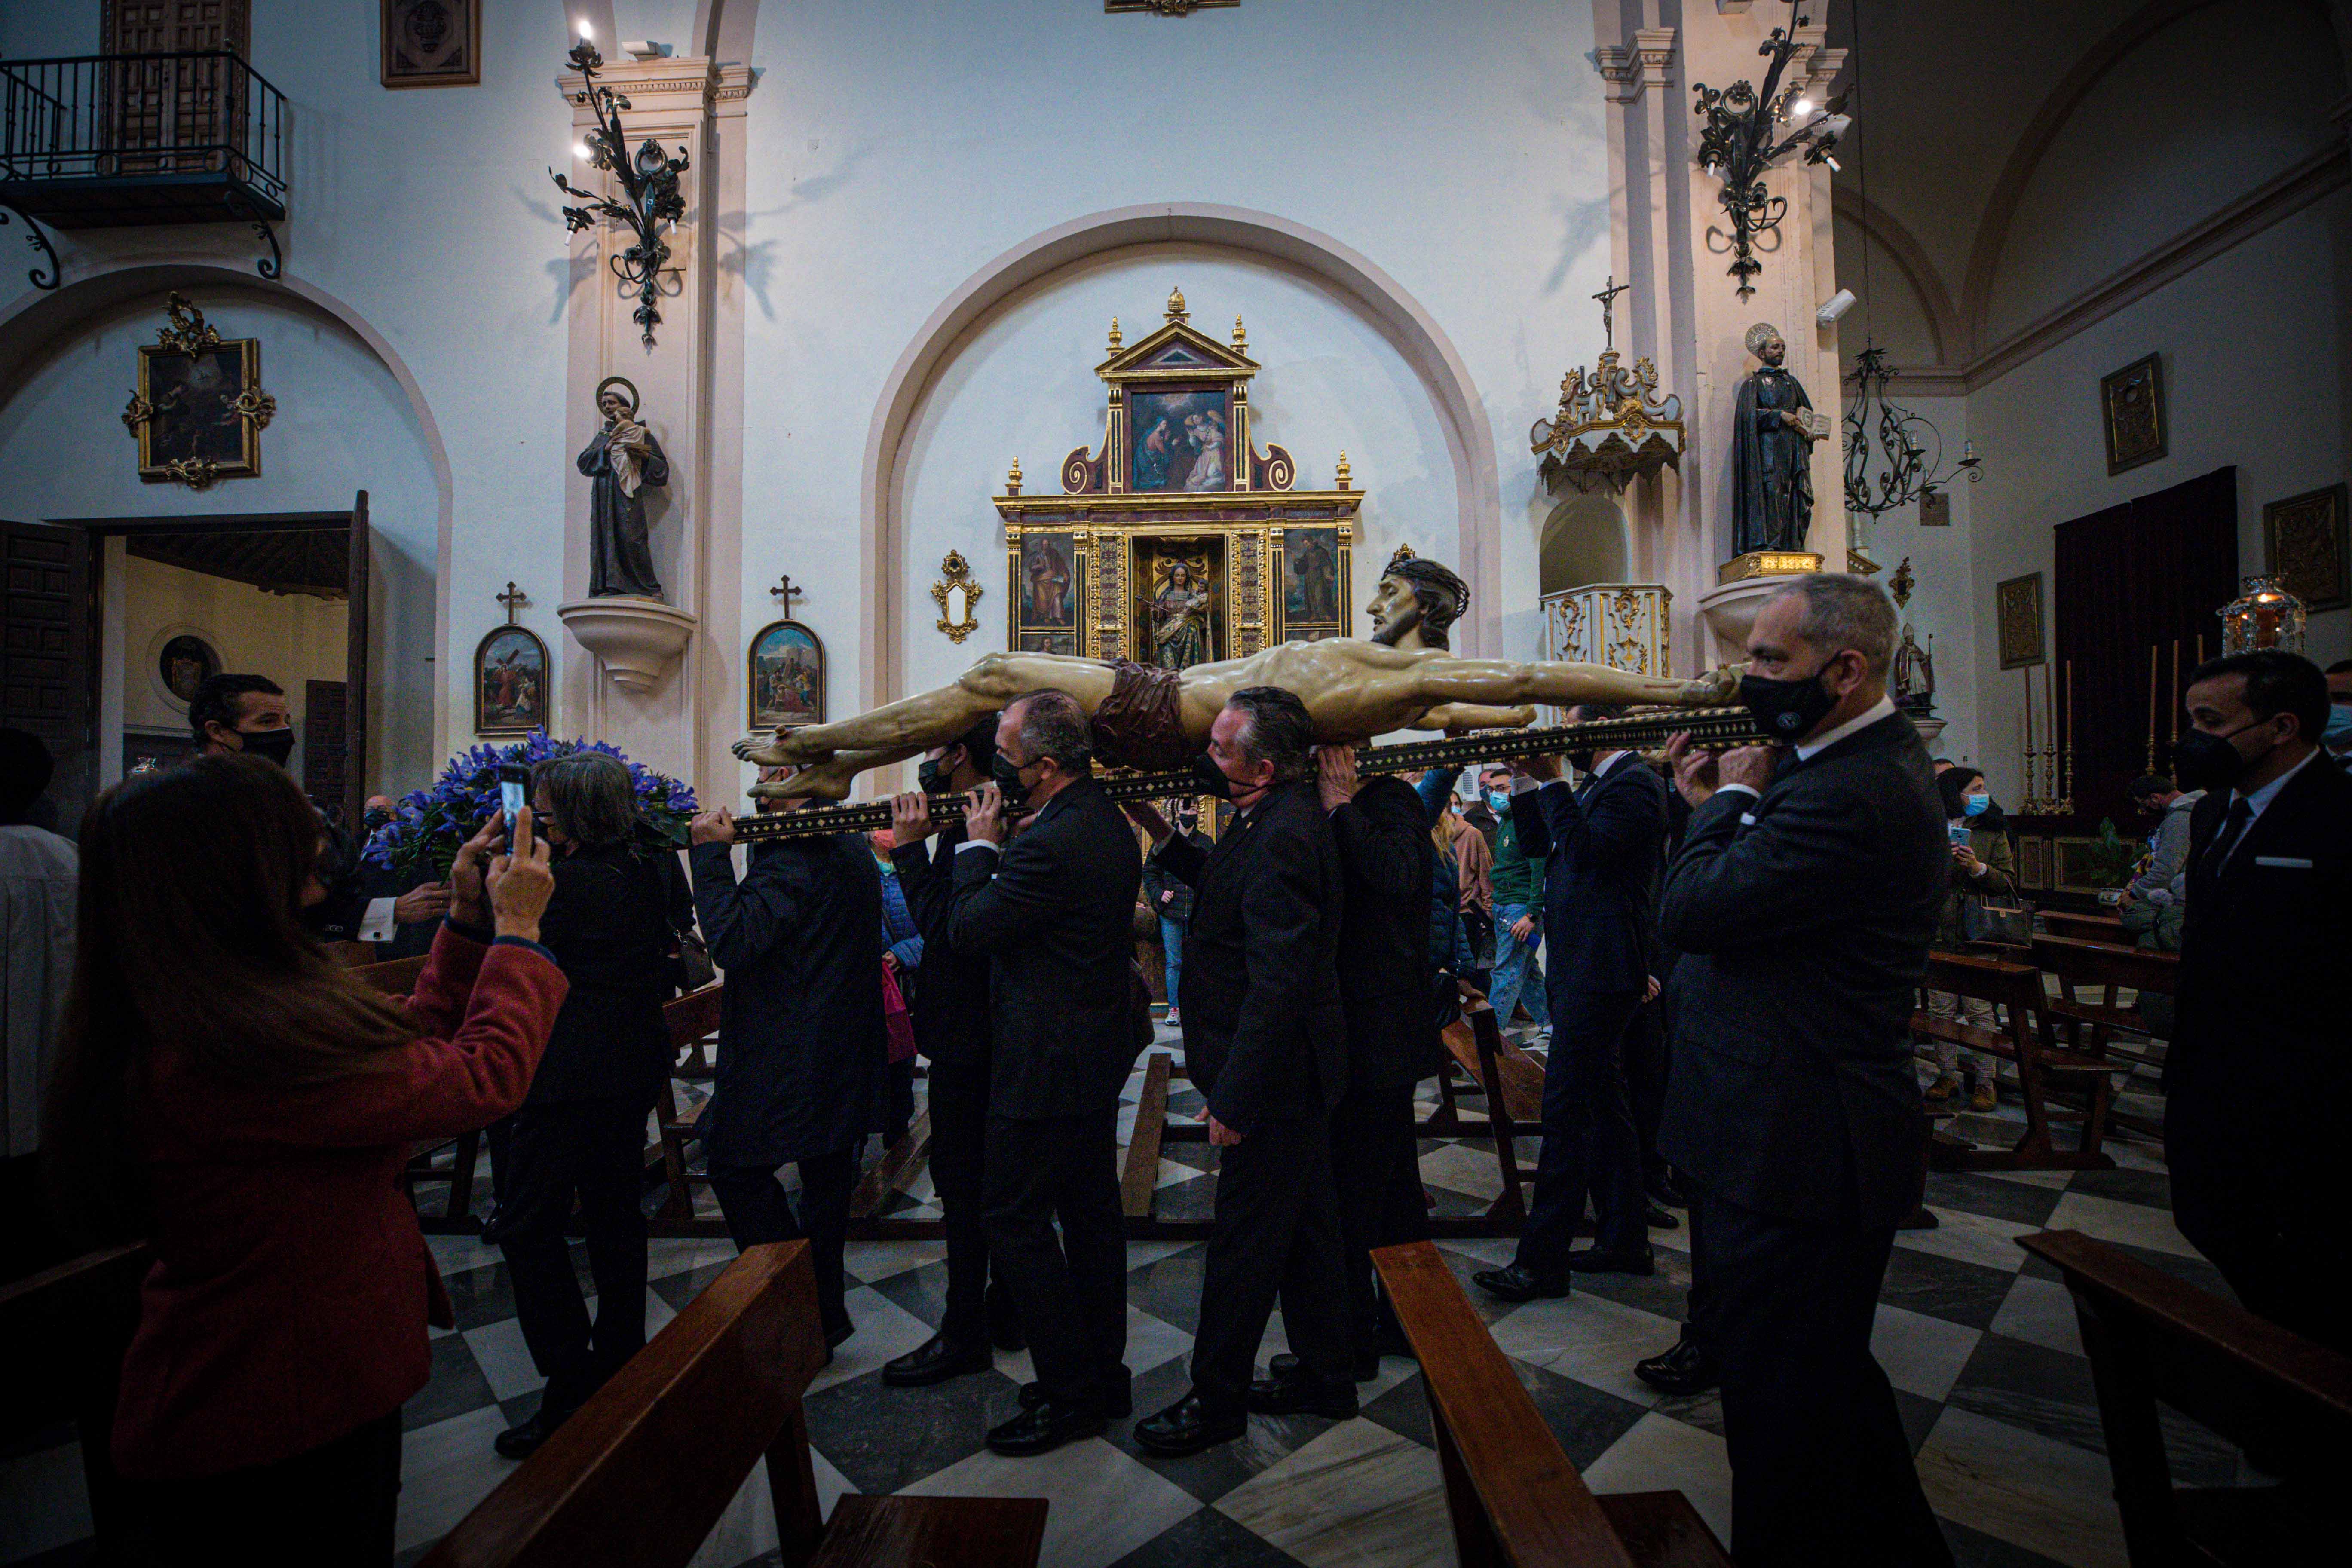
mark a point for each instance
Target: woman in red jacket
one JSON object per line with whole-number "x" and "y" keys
{"x": 227, "y": 1091}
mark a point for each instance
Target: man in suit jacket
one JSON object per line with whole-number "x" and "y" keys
{"x": 1265, "y": 1041}
{"x": 1803, "y": 903}
{"x": 1387, "y": 992}
{"x": 1601, "y": 844}
{"x": 953, "y": 1030}
{"x": 2259, "y": 1066}
{"x": 1055, "y": 912}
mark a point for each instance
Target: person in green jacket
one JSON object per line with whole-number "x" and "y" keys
{"x": 1983, "y": 867}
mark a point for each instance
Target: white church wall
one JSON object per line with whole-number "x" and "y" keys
{"x": 342, "y": 425}
{"x": 2253, "y": 355}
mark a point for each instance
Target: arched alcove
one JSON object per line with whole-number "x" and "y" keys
{"x": 1351, "y": 276}
{"x": 1583, "y": 540}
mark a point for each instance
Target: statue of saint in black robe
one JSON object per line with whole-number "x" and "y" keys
{"x": 622, "y": 460}
{"x": 1771, "y": 460}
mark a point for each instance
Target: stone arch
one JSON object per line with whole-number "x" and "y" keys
{"x": 1401, "y": 320}
{"x": 1584, "y": 541}
{"x": 34, "y": 323}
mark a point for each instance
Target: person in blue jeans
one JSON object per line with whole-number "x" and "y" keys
{"x": 1170, "y": 899}
{"x": 1519, "y": 884}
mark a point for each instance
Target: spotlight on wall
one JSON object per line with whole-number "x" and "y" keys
{"x": 586, "y": 30}
{"x": 1836, "y": 305}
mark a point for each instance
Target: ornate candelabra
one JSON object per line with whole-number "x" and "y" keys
{"x": 649, "y": 188}
{"x": 1739, "y": 143}
{"x": 2050, "y": 770}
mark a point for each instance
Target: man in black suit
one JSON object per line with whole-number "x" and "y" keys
{"x": 1053, "y": 911}
{"x": 1387, "y": 991}
{"x": 1601, "y": 843}
{"x": 1802, "y": 902}
{"x": 2259, "y": 1068}
{"x": 952, "y": 1030}
{"x": 1265, "y": 1041}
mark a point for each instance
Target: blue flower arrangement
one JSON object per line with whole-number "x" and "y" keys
{"x": 431, "y": 825}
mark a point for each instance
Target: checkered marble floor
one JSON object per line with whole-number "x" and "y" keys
{"x": 1979, "y": 1341}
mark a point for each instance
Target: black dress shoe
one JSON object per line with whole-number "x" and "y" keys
{"x": 521, "y": 1442}
{"x": 1657, "y": 1216}
{"x": 935, "y": 1359}
{"x": 1299, "y": 1394}
{"x": 1517, "y": 1284}
{"x": 1121, "y": 1403}
{"x": 1670, "y": 1190}
{"x": 1285, "y": 1366}
{"x": 1044, "y": 1429}
{"x": 1593, "y": 1260}
{"x": 840, "y": 1332}
{"x": 1685, "y": 1369}
{"x": 1003, "y": 1322}
{"x": 1188, "y": 1427}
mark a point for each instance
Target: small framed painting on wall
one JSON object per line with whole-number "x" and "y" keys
{"x": 2018, "y": 605}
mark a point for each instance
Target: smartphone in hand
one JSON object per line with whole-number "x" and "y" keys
{"x": 514, "y": 789}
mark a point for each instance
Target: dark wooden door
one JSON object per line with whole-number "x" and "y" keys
{"x": 355, "y": 663}
{"x": 167, "y": 103}
{"x": 45, "y": 650}
{"x": 326, "y": 770}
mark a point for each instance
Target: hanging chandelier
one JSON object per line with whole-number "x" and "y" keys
{"x": 1910, "y": 449}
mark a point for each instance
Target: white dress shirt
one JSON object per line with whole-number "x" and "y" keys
{"x": 1808, "y": 750}
{"x": 2258, "y": 801}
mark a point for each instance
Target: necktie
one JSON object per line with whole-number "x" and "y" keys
{"x": 2233, "y": 830}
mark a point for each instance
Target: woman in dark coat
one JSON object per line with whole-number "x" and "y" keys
{"x": 803, "y": 1059}
{"x": 582, "y": 1130}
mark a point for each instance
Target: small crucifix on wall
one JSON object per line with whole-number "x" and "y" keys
{"x": 513, "y": 599}
{"x": 785, "y": 591}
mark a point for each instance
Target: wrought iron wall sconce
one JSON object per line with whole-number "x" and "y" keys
{"x": 956, "y": 583}
{"x": 649, "y": 187}
{"x": 1737, "y": 144}
{"x": 1911, "y": 448}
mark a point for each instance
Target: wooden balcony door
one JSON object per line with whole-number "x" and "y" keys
{"x": 168, "y": 104}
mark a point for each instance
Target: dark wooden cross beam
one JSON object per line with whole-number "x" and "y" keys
{"x": 513, "y": 599}
{"x": 785, "y": 591}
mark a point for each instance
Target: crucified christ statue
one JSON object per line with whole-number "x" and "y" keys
{"x": 1403, "y": 677}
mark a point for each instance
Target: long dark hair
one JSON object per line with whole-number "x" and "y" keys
{"x": 189, "y": 937}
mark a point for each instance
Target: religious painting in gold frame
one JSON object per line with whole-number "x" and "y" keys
{"x": 2017, "y": 603}
{"x": 1170, "y": 566}
{"x": 200, "y": 410}
{"x": 2304, "y": 546}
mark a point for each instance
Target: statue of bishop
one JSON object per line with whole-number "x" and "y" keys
{"x": 1773, "y": 432}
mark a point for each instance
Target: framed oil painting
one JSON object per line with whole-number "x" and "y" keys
{"x": 786, "y": 677}
{"x": 1180, "y": 613}
{"x": 2131, "y": 406}
{"x": 184, "y": 663}
{"x": 1049, "y": 573}
{"x": 2303, "y": 545}
{"x": 1183, "y": 439}
{"x": 513, "y": 688}
{"x": 197, "y": 425}
{"x": 2032, "y": 861}
{"x": 432, "y": 43}
{"x": 2018, "y": 605}
{"x": 1313, "y": 602}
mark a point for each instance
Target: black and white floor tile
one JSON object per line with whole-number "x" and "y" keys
{"x": 1979, "y": 1342}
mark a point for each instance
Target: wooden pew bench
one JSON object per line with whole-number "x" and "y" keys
{"x": 72, "y": 1325}
{"x": 1511, "y": 1081}
{"x": 642, "y": 1472}
{"x": 689, "y": 1020}
{"x": 2077, "y": 966}
{"x": 2089, "y": 928}
{"x": 2016, "y": 993}
{"x": 1513, "y": 1499}
{"x": 2151, "y": 1337}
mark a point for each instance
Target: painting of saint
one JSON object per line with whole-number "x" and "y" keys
{"x": 510, "y": 685}
{"x": 192, "y": 394}
{"x": 1047, "y": 581}
{"x": 1183, "y": 441}
{"x": 787, "y": 677}
{"x": 1063, "y": 643}
{"x": 1180, "y": 619}
{"x": 185, "y": 663}
{"x": 1311, "y": 585}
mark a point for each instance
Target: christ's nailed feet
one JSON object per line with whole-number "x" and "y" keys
{"x": 1714, "y": 689}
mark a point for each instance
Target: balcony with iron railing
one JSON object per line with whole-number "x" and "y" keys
{"x": 115, "y": 140}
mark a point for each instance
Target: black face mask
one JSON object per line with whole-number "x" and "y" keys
{"x": 931, "y": 776}
{"x": 1786, "y": 710}
{"x": 2201, "y": 760}
{"x": 1210, "y": 779}
{"x": 1186, "y": 821}
{"x": 375, "y": 818}
{"x": 1007, "y": 775}
{"x": 1580, "y": 761}
{"x": 270, "y": 745}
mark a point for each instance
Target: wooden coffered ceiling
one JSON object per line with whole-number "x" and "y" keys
{"x": 308, "y": 560}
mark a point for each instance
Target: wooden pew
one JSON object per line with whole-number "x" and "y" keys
{"x": 1512, "y": 1083}
{"x": 690, "y": 1020}
{"x": 2088, "y": 928}
{"x": 1140, "y": 1177}
{"x": 2027, "y": 1040}
{"x": 72, "y": 1325}
{"x": 2074, "y": 962}
{"x": 2151, "y": 1337}
{"x": 645, "y": 1468}
{"x": 1513, "y": 1498}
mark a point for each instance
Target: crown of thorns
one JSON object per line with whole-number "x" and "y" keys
{"x": 1422, "y": 572}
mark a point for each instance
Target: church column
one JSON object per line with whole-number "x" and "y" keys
{"x": 656, "y": 669}
{"x": 1671, "y": 240}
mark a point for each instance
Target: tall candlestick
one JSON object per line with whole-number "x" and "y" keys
{"x": 2050, "y": 739}
{"x": 2066, "y": 785}
{"x": 2176, "y": 691}
{"x": 2152, "y": 652}
{"x": 2031, "y": 799}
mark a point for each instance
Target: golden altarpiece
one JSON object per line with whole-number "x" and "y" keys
{"x": 1178, "y": 542}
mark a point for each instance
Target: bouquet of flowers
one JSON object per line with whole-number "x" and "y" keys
{"x": 433, "y": 823}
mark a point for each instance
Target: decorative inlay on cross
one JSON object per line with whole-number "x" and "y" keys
{"x": 785, "y": 591}
{"x": 513, "y": 599}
